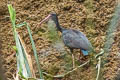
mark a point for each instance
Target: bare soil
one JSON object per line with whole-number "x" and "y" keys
{"x": 72, "y": 14}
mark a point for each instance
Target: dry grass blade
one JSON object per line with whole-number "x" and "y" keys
{"x": 28, "y": 57}
{"x": 33, "y": 46}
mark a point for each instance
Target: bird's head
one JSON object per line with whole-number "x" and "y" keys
{"x": 52, "y": 16}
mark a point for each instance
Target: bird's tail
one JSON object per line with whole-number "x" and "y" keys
{"x": 85, "y": 53}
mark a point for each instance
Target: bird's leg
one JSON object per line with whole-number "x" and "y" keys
{"x": 80, "y": 54}
{"x": 73, "y": 58}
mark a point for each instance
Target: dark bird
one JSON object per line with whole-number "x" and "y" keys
{"x": 73, "y": 39}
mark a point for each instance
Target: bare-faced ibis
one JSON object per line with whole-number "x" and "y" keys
{"x": 73, "y": 39}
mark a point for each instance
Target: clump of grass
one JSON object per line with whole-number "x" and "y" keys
{"x": 24, "y": 62}
{"x": 54, "y": 37}
{"x": 52, "y": 32}
{"x": 90, "y": 25}
{"x": 90, "y": 18}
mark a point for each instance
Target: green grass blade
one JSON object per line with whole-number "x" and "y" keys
{"x": 22, "y": 63}
{"x": 21, "y": 60}
{"x": 20, "y": 57}
{"x": 26, "y": 61}
{"x": 20, "y": 25}
{"x": 35, "y": 52}
{"x": 12, "y": 13}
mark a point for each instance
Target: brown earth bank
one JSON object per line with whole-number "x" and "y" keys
{"x": 89, "y": 16}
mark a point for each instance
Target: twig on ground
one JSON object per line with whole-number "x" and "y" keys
{"x": 99, "y": 54}
{"x": 98, "y": 66}
{"x": 63, "y": 75}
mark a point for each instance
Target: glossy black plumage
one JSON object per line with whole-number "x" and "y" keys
{"x": 73, "y": 39}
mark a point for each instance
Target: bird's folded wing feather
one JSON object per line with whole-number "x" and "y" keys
{"x": 75, "y": 39}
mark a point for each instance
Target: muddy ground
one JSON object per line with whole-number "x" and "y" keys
{"x": 91, "y": 17}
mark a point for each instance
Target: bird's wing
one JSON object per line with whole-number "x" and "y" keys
{"x": 75, "y": 39}
{"x": 81, "y": 35}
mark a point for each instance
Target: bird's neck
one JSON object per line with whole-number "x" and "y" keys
{"x": 58, "y": 25}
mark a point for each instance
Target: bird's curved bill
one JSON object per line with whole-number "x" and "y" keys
{"x": 46, "y": 19}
